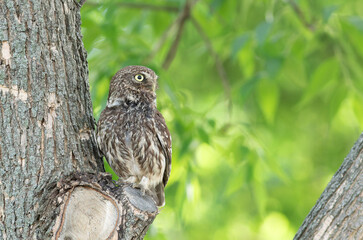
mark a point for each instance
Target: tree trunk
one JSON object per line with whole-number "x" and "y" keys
{"x": 47, "y": 133}
{"x": 338, "y": 214}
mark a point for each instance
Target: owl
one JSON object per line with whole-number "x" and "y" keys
{"x": 132, "y": 133}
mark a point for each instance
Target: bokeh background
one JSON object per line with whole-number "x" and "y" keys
{"x": 263, "y": 100}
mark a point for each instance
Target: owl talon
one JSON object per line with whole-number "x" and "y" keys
{"x": 138, "y": 186}
{"x": 143, "y": 191}
{"x": 144, "y": 185}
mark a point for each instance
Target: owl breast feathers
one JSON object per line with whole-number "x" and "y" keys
{"x": 132, "y": 133}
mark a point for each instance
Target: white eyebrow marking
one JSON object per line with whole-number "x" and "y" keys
{"x": 147, "y": 75}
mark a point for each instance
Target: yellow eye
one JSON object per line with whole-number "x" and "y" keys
{"x": 139, "y": 77}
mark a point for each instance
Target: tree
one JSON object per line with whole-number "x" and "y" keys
{"x": 49, "y": 162}
{"x": 338, "y": 214}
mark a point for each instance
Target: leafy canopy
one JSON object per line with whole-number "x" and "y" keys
{"x": 263, "y": 100}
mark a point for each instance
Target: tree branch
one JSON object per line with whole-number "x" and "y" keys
{"x": 161, "y": 41}
{"x": 301, "y": 16}
{"x": 183, "y": 17}
{"x": 338, "y": 214}
{"x": 144, "y": 6}
{"x": 79, "y": 3}
{"x": 92, "y": 205}
{"x": 220, "y": 69}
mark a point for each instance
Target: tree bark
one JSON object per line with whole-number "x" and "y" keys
{"x": 338, "y": 214}
{"x": 92, "y": 207}
{"x": 49, "y": 160}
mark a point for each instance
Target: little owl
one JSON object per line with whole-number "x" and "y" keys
{"x": 132, "y": 133}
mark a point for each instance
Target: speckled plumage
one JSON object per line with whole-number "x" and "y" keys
{"x": 132, "y": 133}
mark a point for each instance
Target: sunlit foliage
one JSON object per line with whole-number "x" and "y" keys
{"x": 264, "y": 99}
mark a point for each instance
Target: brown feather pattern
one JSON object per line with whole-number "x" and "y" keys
{"x": 132, "y": 133}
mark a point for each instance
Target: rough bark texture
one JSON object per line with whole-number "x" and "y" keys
{"x": 46, "y": 120}
{"x": 92, "y": 207}
{"x": 338, "y": 214}
{"x": 47, "y": 134}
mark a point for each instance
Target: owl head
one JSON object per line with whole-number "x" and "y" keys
{"x": 132, "y": 82}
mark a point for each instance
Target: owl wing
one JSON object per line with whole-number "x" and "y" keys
{"x": 113, "y": 141}
{"x": 164, "y": 139}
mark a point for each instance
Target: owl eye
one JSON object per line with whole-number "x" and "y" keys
{"x": 139, "y": 77}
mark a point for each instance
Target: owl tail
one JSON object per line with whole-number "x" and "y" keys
{"x": 159, "y": 195}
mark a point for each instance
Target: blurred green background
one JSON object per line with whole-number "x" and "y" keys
{"x": 263, "y": 100}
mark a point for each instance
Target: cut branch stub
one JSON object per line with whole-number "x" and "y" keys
{"x": 92, "y": 207}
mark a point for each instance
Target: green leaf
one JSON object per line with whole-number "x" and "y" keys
{"x": 262, "y": 32}
{"x": 273, "y": 66}
{"x": 357, "y": 22}
{"x": 337, "y": 97}
{"x": 328, "y": 11}
{"x": 247, "y": 88}
{"x": 268, "y": 99}
{"x": 358, "y": 109}
{"x": 212, "y": 123}
{"x": 353, "y": 34}
{"x": 238, "y": 44}
{"x": 203, "y": 135}
{"x": 109, "y": 170}
{"x": 324, "y": 74}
